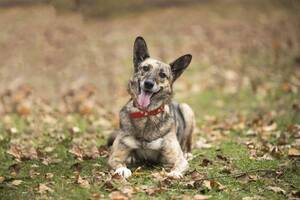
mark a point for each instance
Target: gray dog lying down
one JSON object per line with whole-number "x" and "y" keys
{"x": 153, "y": 127}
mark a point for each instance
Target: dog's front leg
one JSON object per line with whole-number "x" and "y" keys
{"x": 174, "y": 157}
{"x": 119, "y": 154}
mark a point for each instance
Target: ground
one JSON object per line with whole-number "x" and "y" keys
{"x": 243, "y": 85}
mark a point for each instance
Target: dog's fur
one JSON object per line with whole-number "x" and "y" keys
{"x": 163, "y": 138}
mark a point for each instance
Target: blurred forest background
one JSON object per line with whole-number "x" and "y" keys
{"x": 51, "y": 44}
{"x": 64, "y": 67}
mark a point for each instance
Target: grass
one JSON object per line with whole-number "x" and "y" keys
{"x": 64, "y": 186}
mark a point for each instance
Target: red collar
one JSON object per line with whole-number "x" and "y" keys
{"x": 145, "y": 113}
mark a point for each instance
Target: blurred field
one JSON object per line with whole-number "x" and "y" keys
{"x": 64, "y": 68}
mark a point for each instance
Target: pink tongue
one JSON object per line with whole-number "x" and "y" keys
{"x": 144, "y": 99}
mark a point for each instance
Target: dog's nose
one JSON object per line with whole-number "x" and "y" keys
{"x": 148, "y": 84}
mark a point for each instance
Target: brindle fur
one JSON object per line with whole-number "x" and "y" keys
{"x": 163, "y": 138}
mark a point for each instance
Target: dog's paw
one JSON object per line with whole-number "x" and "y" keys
{"x": 123, "y": 171}
{"x": 175, "y": 175}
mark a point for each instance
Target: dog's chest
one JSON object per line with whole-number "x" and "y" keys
{"x": 145, "y": 150}
{"x": 153, "y": 145}
{"x": 150, "y": 150}
{"x": 152, "y": 127}
{"x": 143, "y": 145}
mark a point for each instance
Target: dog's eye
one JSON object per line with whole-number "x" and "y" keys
{"x": 162, "y": 75}
{"x": 146, "y": 68}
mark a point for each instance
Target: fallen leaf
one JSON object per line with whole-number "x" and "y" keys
{"x": 117, "y": 195}
{"x": 2, "y": 179}
{"x": 202, "y": 144}
{"x": 160, "y": 176}
{"x": 253, "y": 177}
{"x": 212, "y": 184}
{"x": 293, "y": 152}
{"x": 201, "y": 197}
{"x": 270, "y": 127}
{"x": 16, "y": 182}
{"x": 255, "y": 197}
{"x": 154, "y": 190}
{"x": 103, "y": 151}
{"x": 276, "y": 189}
{"x": 296, "y": 194}
{"x": 77, "y": 151}
{"x": 15, "y": 151}
{"x": 197, "y": 176}
{"x": 251, "y": 132}
{"x": 43, "y": 188}
{"x": 75, "y": 129}
{"x": 49, "y": 175}
{"x": 127, "y": 190}
{"x": 33, "y": 173}
{"x": 82, "y": 183}
{"x": 14, "y": 169}
{"x": 13, "y": 130}
{"x": 96, "y": 196}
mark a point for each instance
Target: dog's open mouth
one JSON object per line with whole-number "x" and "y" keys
{"x": 144, "y": 98}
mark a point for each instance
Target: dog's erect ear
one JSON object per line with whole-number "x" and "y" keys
{"x": 140, "y": 51}
{"x": 179, "y": 65}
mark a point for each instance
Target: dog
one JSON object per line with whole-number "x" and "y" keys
{"x": 153, "y": 128}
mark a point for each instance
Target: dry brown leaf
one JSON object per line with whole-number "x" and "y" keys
{"x": 212, "y": 184}
{"x": 2, "y": 179}
{"x": 154, "y": 190}
{"x": 49, "y": 149}
{"x": 296, "y": 193}
{"x": 49, "y": 175}
{"x": 201, "y": 143}
{"x": 251, "y": 132}
{"x": 75, "y": 129}
{"x": 103, "y": 151}
{"x": 270, "y": 127}
{"x": 14, "y": 169}
{"x": 255, "y": 197}
{"x": 13, "y": 130}
{"x": 197, "y": 176}
{"x": 16, "y": 182}
{"x": 30, "y": 153}
{"x": 96, "y": 196}
{"x": 77, "y": 151}
{"x": 293, "y": 152}
{"x": 127, "y": 190}
{"x": 117, "y": 195}
{"x": 253, "y": 177}
{"x": 33, "y": 173}
{"x": 15, "y": 151}
{"x": 82, "y": 183}
{"x": 160, "y": 176}
{"x": 43, "y": 188}
{"x": 276, "y": 189}
{"x": 201, "y": 197}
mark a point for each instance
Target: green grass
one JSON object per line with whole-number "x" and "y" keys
{"x": 64, "y": 186}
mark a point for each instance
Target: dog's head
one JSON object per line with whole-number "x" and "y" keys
{"x": 152, "y": 81}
